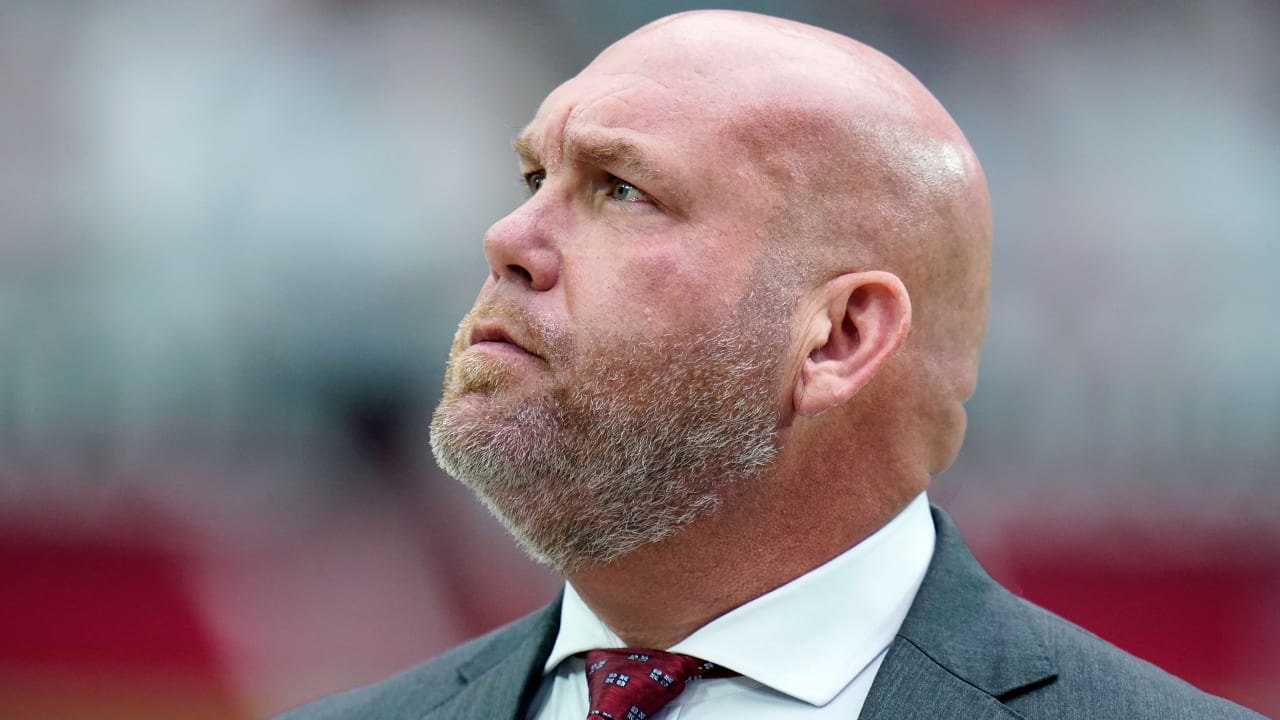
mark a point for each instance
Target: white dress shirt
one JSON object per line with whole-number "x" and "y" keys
{"x": 808, "y": 649}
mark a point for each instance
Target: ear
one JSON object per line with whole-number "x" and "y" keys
{"x": 861, "y": 321}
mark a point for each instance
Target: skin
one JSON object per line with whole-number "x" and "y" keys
{"x": 687, "y": 157}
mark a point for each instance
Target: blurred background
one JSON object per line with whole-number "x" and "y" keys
{"x": 236, "y": 236}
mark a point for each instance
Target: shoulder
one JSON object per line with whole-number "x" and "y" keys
{"x": 419, "y": 689}
{"x": 967, "y": 637}
{"x": 423, "y": 686}
{"x": 1110, "y": 683}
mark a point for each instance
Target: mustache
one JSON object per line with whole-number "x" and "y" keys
{"x": 534, "y": 333}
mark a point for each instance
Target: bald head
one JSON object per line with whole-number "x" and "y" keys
{"x": 863, "y": 170}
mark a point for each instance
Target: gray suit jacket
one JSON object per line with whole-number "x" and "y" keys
{"x": 968, "y": 649}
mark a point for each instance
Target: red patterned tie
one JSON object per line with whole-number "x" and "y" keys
{"x": 631, "y": 684}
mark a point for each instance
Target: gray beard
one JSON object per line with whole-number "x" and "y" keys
{"x": 642, "y": 444}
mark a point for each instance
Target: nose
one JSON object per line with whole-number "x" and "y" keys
{"x": 521, "y": 248}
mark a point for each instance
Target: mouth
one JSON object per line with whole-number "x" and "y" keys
{"x": 496, "y": 338}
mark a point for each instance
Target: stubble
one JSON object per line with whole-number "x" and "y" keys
{"x": 632, "y": 441}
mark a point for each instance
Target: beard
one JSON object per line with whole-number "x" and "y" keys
{"x": 629, "y": 448}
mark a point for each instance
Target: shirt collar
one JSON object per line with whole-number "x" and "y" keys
{"x": 810, "y": 637}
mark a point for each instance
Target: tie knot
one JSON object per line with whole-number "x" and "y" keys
{"x": 632, "y": 684}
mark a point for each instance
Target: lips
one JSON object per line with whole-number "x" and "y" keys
{"x": 497, "y": 336}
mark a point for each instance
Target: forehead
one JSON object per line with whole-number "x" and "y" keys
{"x": 724, "y": 139}
{"x": 604, "y": 104}
{"x": 656, "y": 125}
{"x": 710, "y": 83}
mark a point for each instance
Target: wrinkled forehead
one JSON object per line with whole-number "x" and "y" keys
{"x": 781, "y": 104}
{"x": 692, "y": 75}
{"x": 653, "y": 99}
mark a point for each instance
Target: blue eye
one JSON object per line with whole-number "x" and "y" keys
{"x": 534, "y": 180}
{"x": 624, "y": 191}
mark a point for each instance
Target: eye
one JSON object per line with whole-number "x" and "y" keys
{"x": 624, "y": 191}
{"x": 533, "y": 180}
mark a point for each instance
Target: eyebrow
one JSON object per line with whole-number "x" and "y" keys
{"x": 607, "y": 153}
{"x": 524, "y": 148}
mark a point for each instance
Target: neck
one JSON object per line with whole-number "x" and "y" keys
{"x": 755, "y": 542}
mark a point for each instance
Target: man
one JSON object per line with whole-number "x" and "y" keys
{"x": 722, "y": 348}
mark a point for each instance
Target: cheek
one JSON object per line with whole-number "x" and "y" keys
{"x": 651, "y": 292}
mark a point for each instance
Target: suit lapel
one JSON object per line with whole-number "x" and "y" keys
{"x": 911, "y": 686}
{"x": 498, "y": 682}
{"x": 966, "y": 644}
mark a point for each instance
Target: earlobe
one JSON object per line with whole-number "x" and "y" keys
{"x": 863, "y": 319}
